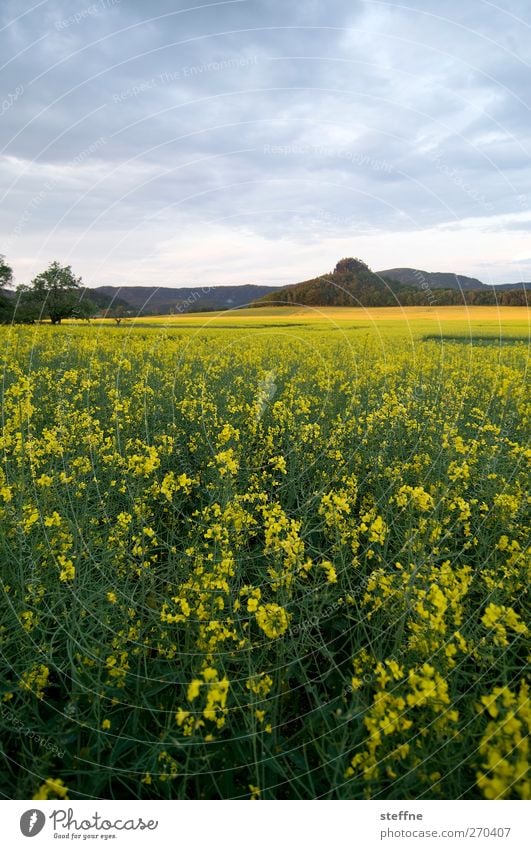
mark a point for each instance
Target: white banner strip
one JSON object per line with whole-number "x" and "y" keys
{"x": 231, "y": 824}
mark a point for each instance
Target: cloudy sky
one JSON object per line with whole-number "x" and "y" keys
{"x": 175, "y": 142}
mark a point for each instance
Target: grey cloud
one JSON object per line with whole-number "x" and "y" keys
{"x": 329, "y": 118}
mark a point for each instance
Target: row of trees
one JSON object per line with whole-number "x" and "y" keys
{"x": 55, "y": 293}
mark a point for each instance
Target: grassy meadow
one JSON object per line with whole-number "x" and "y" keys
{"x": 268, "y": 554}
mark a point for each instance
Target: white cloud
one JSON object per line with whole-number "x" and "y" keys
{"x": 407, "y": 126}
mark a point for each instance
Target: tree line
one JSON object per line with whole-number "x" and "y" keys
{"x": 57, "y": 293}
{"x": 54, "y": 294}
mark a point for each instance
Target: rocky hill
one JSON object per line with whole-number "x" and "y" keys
{"x": 352, "y": 283}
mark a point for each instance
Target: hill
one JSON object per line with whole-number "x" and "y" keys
{"x": 433, "y": 279}
{"x": 157, "y": 300}
{"x": 352, "y": 283}
{"x": 445, "y": 280}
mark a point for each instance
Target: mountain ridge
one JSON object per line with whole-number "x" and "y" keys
{"x": 353, "y": 283}
{"x": 434, "y": 279}
{"x": 445, "y": 280}
{"x": 163, "y": 300}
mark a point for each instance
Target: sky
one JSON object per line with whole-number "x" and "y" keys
{"x": 259, "y": 141}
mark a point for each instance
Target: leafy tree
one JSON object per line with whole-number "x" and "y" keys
{"x": 118, "y": 312}
{"x": 6, "y": 309}
{"x": 6, "y": 276}
{"x": 25, "y": 310}
{"x": 6, "y": 273}
{"x": 57, "y": 292}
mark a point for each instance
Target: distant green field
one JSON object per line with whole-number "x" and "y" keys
{"x": 458, "y": 323}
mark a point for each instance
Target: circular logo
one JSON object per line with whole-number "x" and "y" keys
{"x": 32, "y": 822}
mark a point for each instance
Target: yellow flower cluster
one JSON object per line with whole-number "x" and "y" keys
{"x": 35, "y": 679}
{"x": 401, "y": 703}
{"x": 215, "y": 706}
{"x": 498, "y": 618}
{"x": 264, "y": 566}
{"x": 273, "y": 620}
{"x": 415, "y": 495}
{"x": 505, "y": 744}
{"x": 52, "y": 787}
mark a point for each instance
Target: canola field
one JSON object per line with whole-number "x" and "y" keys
{"x": 266, "y": 556}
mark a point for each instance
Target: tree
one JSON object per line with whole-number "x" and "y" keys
{"x": 57, "y": 292}
{"x": 118, "y": 312}
{"x": 6, "y": 273}
{"x": 6, "y": 277}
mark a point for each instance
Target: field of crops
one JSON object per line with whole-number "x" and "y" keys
{"x": 266, "y": 556}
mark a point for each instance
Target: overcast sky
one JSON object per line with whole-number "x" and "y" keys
{"x": 258, "y": 141}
